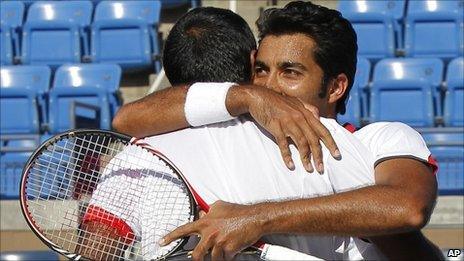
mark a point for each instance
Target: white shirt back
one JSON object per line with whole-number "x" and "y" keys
{"x": 237, "y": 162}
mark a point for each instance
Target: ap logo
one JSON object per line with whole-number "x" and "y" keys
{"x": 454, "y": 253}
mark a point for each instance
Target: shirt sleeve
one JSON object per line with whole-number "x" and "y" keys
{"x": 395, "y": 140}
{"x": 115, "y": 201}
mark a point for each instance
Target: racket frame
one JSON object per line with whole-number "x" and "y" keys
{"x": 124, "y": 138}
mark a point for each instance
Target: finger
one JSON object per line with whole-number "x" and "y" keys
{"x": 230, "y": 251}
{"x": 314, "y": 144}
{"x": 301, "y": 142}
{"x": 309, "y": 136}
{"x": 217, "y": 253}
{"x": 201, "y": 214}
{"x": 180, "y": 232}
{"x": 326, "y": 137}
{"x": 316, "y": 149}
{"x": 202, "y": 248}
{"x": 282, "y": 142}
{"x": 313, "y": 109}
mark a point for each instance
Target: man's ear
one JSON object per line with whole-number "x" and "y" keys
{"x": 338, "y": 87}
{"x": 253, "y": 54}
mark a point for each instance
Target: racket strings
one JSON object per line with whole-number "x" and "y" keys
{"x": 137, "y": 188}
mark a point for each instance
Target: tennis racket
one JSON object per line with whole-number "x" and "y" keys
{"x": 101, "y": 195}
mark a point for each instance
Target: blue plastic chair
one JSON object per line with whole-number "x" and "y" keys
{"x": 82, "y": 92}
{"x": 434, "y": 29}
{"x": 376, "y": 24}
{"x": 30, "y": 256}
{"x": 402, "y": 90}
{"x": 118, "y": 21}
{"x": 447, "y": 147}
{"x": 6, "y": 46}
{"x": 27, "y": 3}
{"x": 167, "y": 4}
{"x": 454, "y": 96}
{"x": 23, "y": 90}
{"x": 106, "y": 76}
{"x": 14, "y": 153}
{"x": 54, "y": 32}
{"x": 356, "y": 106}
{"x": 12, "y": 15}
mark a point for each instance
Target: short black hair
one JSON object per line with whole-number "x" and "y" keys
{"x": 336, "y": 42}
{"x": 209, "y": 44}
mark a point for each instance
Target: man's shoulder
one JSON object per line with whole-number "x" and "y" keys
{"x": 393, "y": 139}
{"x": 385, "y": 128}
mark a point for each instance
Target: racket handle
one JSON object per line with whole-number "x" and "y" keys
{"x": 272, "y": 252}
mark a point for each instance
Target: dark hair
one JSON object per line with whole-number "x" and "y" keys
{"x": 336, "y": 44}
{"x": 209, "y": 44}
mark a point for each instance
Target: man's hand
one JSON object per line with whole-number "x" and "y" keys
{"x": 284, "y": 117}
{"x": 225, "y": 230}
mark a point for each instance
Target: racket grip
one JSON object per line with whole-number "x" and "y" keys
{"x": 272, "y": 252}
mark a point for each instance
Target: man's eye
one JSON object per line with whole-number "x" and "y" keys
{"x": 291, "y": 72}
{"x": 259, "y": 70}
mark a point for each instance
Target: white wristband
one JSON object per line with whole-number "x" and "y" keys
{"x": 206, "y": 103}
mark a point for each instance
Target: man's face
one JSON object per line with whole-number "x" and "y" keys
{"x": 286, "y": 64}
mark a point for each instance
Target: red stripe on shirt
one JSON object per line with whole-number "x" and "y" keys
{"x": 350, "y": 127}
{"x": 433, "y": 163}
{"x": 98, "y": 214}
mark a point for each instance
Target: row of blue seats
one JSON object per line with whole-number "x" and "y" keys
{"x": 80, "y": 93}
{"x": 59, "y": 32}
{"x": 410, "y": 90}
{"x": 165, "y": 4}
{"x": 44, "y": 255}
{"x": 446, "y": 145}
{"x": 419, "y": 28}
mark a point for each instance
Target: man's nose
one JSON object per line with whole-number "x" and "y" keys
{"x": 272, "y": 83}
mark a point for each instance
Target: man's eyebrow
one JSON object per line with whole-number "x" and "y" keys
{"x": 289, "y": 64}
{"x": 261, "y": 64}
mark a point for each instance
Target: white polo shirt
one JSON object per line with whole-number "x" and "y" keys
{"x": 237, "y": 162}
{"x": 392, "y": 140}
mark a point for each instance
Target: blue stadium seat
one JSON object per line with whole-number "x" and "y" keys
{"x": 117, "y": 21}
{"x": 27, "y": 3}
{"x": 54, "y": 32}
{"x": 22, "y": 94}
{"x": 81, "y": 92}
{"x": 15, "y": 150}
{"x": 402, "y": 90}
{"x": 434, "y": 29}
{"x": 6, "y": 45}
{"x": 454, "y": 96}
{"x": 447, "y": 146}
{"x": 30, "y": 256}
{"x": 166, "y": 4}
{"x": 357, "y": 103}
{"x": 12, "y": 14}
{"x": 376, "y": 24}
{"x": 106, "y": 76}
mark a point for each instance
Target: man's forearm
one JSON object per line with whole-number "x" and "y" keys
{"x": 365, "y": 212}
{"x": 156, "y": 113}
{"x": 163, "y": 111}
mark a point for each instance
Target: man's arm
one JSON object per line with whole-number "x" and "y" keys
{"x": 401, "y": 201}
{"x": 283, "y": 117}
{"x": 156, "y": 113}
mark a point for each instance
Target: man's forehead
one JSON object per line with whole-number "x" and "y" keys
{"x": 290, "y": 38}
{"x": 293, "y": 48}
